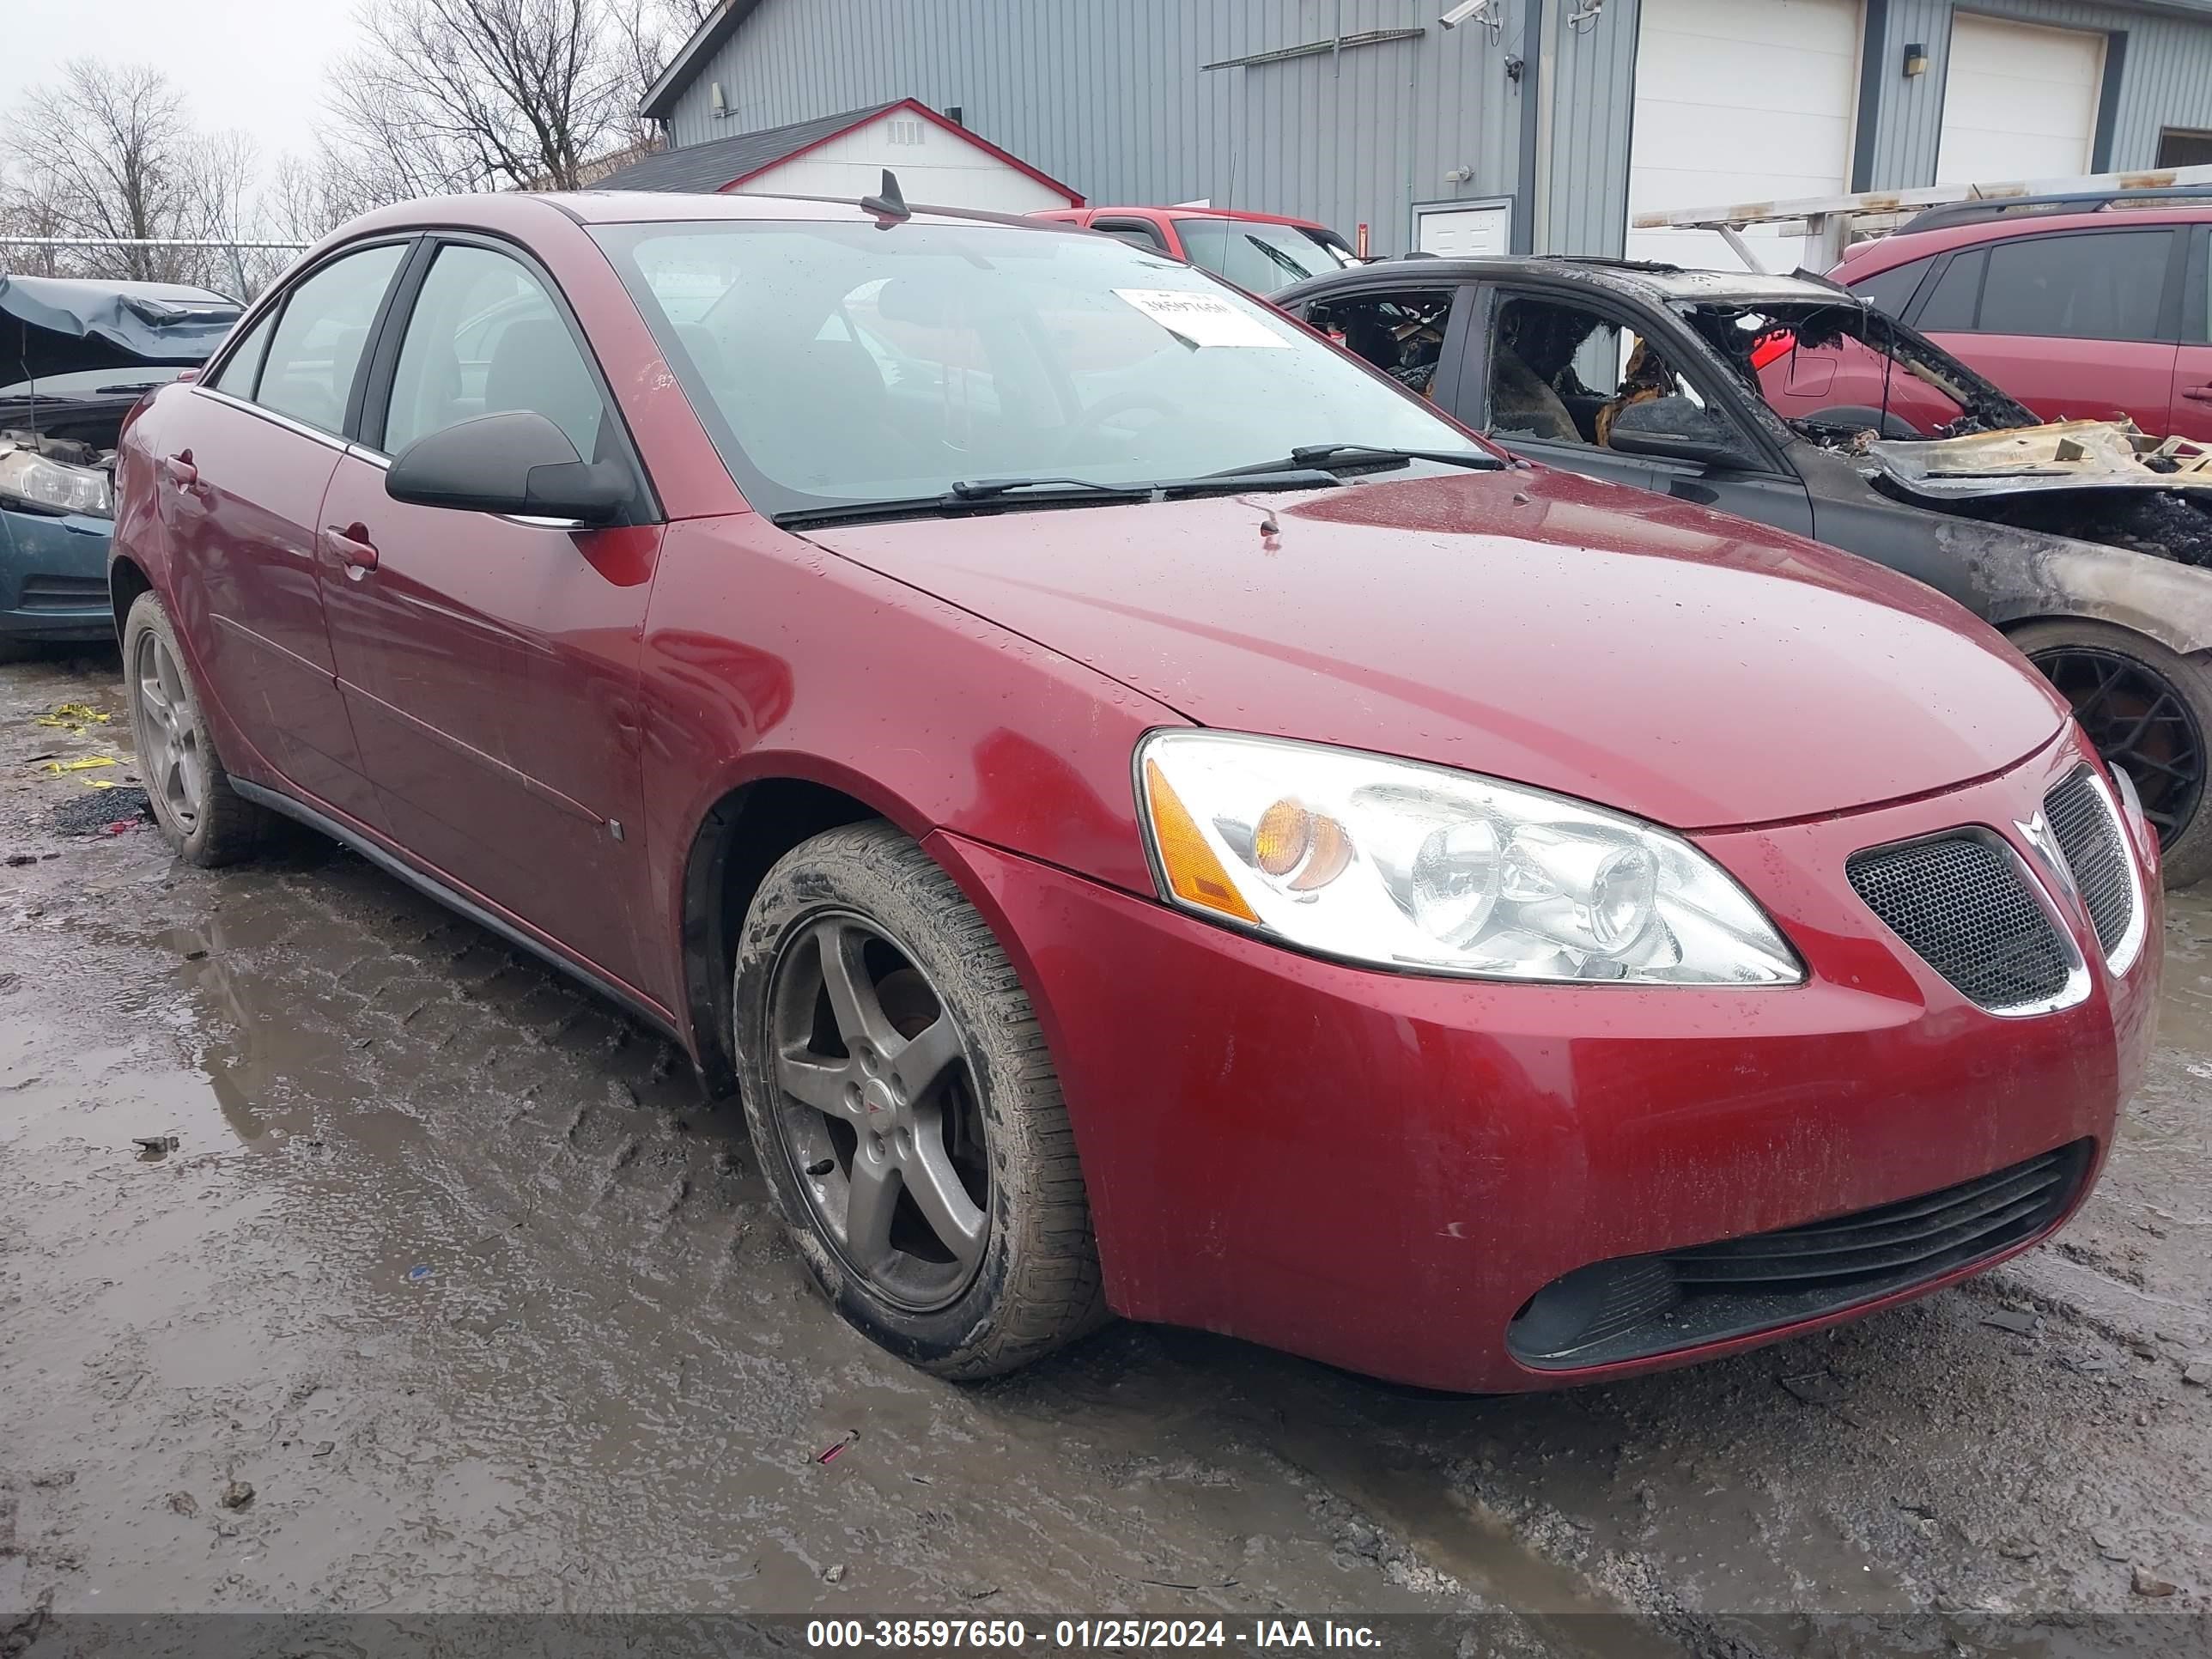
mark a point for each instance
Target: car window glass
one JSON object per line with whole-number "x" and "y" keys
{"x": 486, "y": 338}
{"x": 1134, "y": 232}
{"x": 1892, "y": 290}
{"x": 320, "y": 339}
{"x": 1951, "y": 307}
{"x": 1259, "y": 257}
{"x": 243, "y": 366}
{"x": 839, "y": 363}
{"x": 2104, "y": 286}
{"x": 1561, "y": 375}
{"x": 1401, "y": 333}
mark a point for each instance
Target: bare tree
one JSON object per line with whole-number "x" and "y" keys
{"x": 32, "y": 206}
{"x": 109, "y": 151}
{"x": 482, "y": 94}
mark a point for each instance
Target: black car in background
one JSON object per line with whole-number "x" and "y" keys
{"x": 1788, "y": 401}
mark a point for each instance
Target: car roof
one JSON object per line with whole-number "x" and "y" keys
{"x": 510, "y": 210}
{"x": 1636, "y": 278}
{"x": 1902, "y": 247}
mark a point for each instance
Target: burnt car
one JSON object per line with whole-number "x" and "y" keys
{"x": 1788, "y": 400}
{"x": 76, "y": 357}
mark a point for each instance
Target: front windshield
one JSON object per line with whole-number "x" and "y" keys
{"x": 835, "y": 363}
{"x": 1258, "y": 256}
{"x": 1836, "y": 368}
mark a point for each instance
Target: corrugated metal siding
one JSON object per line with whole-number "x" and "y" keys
{"x": 1586, "y": 205}
{"x": 1110, "y": 96}
{"x": 2166, "y": 79}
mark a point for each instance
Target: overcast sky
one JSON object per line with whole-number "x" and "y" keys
{"x": 257, "y": 65}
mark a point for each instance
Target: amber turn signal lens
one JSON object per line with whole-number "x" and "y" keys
{"x": 1310, "y": 848}
{"x": 1282, "y": 838}
{"x": 1192, "y": 872}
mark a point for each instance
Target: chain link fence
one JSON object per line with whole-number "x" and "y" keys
{"x": 238, "y": 268}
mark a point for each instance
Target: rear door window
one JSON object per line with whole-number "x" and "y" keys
{"x": 1892, "y": 291}
{"x": 1952, "y": 306}
{"x": 319, "y": 342}
{"x": 2102, "y": 285}
{"x": 243, "y": 366}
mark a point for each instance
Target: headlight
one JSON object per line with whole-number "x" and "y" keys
{"x": 29, "y": 478}
{"x": 1403, "y": 866}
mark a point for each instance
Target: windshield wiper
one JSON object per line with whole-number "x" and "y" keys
{"x": 989, "y": 494}
{"x": 1330, "y": 457}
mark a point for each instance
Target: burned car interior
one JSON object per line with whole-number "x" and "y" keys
{"x": 1401, "y": 333}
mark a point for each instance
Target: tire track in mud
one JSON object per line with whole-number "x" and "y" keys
{"x": 457, "y": 1269}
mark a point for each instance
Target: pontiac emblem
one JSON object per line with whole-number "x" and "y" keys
{"x": 2036, "y": 832}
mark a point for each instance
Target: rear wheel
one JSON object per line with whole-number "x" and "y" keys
{"x": 202, "y": 816}
{"x": 906, "y": 1111}
{"x": 2149, "y": 711}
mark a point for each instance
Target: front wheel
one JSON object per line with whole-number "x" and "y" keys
{"x": 906, "y": 1112}
{"x": 2148, "y": 710}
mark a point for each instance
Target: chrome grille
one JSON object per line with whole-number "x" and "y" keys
{"x": 1963, "y": 907}
{"x": 2089, "y": 836}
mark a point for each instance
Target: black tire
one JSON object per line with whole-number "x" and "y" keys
{"x": 1031, "y": 1282}
{"x": 2149, "y": 710}
{"x": 206, "y": 820}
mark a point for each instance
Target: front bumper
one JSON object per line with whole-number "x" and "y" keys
{"x": 53, "y": 576}
{"x": 1379, "y": 1171}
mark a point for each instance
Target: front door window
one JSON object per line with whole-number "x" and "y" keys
{"x": 1559, "y": 374}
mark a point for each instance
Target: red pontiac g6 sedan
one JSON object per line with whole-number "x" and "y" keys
{"x": 1148, "y": 816}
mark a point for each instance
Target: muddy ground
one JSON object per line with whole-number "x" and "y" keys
{"x": 455, "y": 1268}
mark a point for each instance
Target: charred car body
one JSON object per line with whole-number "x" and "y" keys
{"x": 1788, "y": 401}
{"x": 74, "y": 359}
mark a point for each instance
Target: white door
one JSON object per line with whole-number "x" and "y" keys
{"x": 1462, "y": 233}
{"x": 2018, "y": 101}
{"x": 1740, "y": 100}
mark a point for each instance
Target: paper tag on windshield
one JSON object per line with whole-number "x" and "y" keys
{"x": 1204, "y": 320}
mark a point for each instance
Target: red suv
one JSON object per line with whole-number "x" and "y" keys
{"x": 1258, "y": 252}
{"x": 2082, "y": 308}
{"x": 1148, "y": 815}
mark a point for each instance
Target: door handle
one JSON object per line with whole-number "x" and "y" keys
{"x": 2199, "y": 394}
{"x": 351, "y": 548}
{"x": 179, "y": 470}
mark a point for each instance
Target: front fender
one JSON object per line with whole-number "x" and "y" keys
{"x": 2025, "y": 575}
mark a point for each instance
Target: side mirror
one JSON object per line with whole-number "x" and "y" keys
{"x": 1676, "y": 430}
{"x": 520, "y": 463}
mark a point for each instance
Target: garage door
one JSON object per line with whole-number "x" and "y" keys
{"x": 1739, "y": 100}
{"x": 1464, "y": 233}
{"x": 2018, "y": 101}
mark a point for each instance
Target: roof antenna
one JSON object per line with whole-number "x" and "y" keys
{"x": 889, "y": 205}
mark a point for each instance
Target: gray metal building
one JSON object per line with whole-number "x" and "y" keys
{"x": 1532, "y": 124}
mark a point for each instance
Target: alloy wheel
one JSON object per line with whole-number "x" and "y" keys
{"x": 2137, "y": 721}
{"x": 176, "y": 768}
{"x": 877, "y": 1105}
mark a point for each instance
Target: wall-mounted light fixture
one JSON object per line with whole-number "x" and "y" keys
{"x": 1916, "y": 60}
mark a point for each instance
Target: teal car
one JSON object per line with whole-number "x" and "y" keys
{"x": 75, "y": 357}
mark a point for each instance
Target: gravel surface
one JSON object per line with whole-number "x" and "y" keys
{"x": 454, "y": 1293}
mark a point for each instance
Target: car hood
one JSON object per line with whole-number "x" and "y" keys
{"x": 58, "y": 326}
{"x": 1536, "y": 626}
{"x": 2065, "y": 455}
